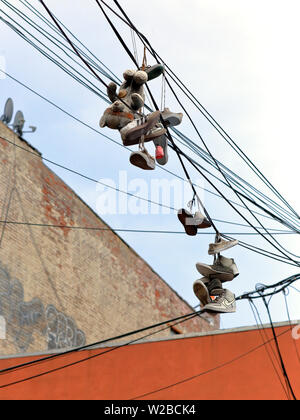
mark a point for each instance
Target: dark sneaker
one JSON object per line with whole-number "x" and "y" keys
{"x": 185, "y": 218}
{"x": 224, "y": 303}
{"x": 154, "y": 71}
{"x": 201, "y": 291}
{"x": 171, "y": 119}
{"x": 224, "y": 269}
{"x": 142, "y": 160}
{"x": 162, "y": 142}
{"x": 141, "y": 127}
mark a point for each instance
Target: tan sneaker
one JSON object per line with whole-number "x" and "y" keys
{"x": 224, "y": 269}
{"x": 221, "y": 246}
{"x": 201, "y": 291}
{"x": 143, "y": 160}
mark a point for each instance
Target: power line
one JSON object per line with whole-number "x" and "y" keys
{"x": 178, "y": 320}
{"x": 208, "y": 371}
{"x": 179, "y": 153}
{"x": 57, "y": 31}
{"x": 206, "y": 114}
{"x": 278, "y": 350}
{"x": 288, "y": 226}
{"x": 262, "y": 331}
{"x": 183, "y": 317}
{"x": 68, "y": 227}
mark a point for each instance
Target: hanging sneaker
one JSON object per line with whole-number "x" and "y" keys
{"x": 221, "y": 246}
{"x": 224, "y": 303}
{"x": 201, "y": 291}
{"x": 186, "y": 218}
{"x": 143, "y": 160}
{"x": 132, "y": 133}
{"x": 171, "y": 119}
{"x": 162, "y": 142}
{"x": 155, "y": 133}
{"x": 201, "y": 221}
{"x": 154, "y": 71}
{"x": 224, "y": 269}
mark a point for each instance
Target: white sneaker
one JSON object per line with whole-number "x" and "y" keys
{"x": 224, "y": 303}
{"x": 221, "y": 246}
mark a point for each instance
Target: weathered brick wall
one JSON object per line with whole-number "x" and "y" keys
{"x": 61, "y": 287}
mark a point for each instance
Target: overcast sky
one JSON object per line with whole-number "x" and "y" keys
{"x": 240, "y": 59}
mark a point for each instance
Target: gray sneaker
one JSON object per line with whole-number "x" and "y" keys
{"x": 201, "y": 291}
{"x": 171, "y": 119}
{"x": 224, "y": 303}
{"x": 162, "y": 141}
{"x": 224, "y": 269}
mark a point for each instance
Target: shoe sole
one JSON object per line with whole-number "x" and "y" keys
{"x": 138, "y": 160}
{"x": 204, "y": 225}
{"x": 224, "y": 248}
{"x": 201, "y": 292}
{"x": 211, "y": 308}
{"x": 154, "y": 71}
{"x": 207, "y": 271}
{"x": 172, "y": 121}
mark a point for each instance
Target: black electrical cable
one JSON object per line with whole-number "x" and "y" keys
{"x": 186, "y": 91}
{"x": 88, "y": 84}
{"x": 178, "y": 320}
{"x": 90, "y": 357}
{"x": 77, "y": 52}
{"x": 290, "y": 322}
{"x": 232, "y": 175}
{"x": 48, "y": 38}
{"x": 243, "y": 217}
{"x": 116, "y": 142}
{"x": 76, "y": 62}
{"x": 109, "y": 138}
{"x": 54, "y": 28}
{"x": 262, "y": 332}
{"x": 278, "y": 350}
{"x": 60, "y": 45}
{"x": 206, "y": 147}
{"x": 185, "y": 380}
{"x": 244, "y": 296}
{"x": 69, "y": 227}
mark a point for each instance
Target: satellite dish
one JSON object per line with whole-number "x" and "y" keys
{"x": 8, "y": 111}
{"x": 19, "y": 122}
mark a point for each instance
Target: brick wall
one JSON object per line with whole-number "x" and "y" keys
{"x": 61, "y": 287}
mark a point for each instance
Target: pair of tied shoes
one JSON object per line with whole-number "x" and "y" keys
{"x": 192, "y": 223}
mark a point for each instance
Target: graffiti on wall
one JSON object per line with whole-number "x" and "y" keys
{"x": 26, "y": 319}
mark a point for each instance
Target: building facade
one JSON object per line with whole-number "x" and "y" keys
{"x": 63, "y": 287}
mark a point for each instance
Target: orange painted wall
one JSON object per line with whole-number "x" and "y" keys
{"x": 223, "y": 366}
